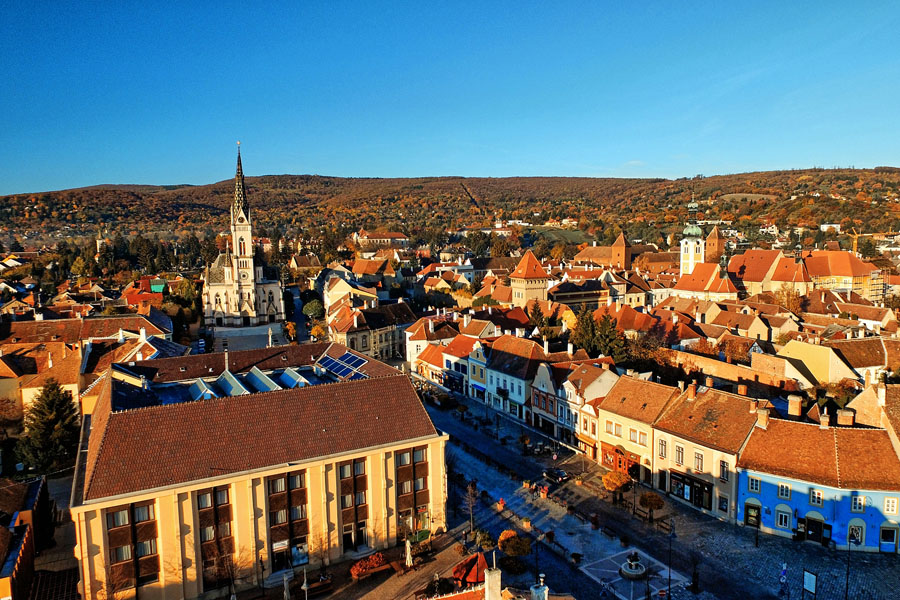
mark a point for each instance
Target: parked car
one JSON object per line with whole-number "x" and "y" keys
{"x": 556, "y": 475}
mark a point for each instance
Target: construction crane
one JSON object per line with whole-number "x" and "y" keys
{"x": 856, "y": 235}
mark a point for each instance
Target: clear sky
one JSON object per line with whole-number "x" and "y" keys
{"x": 135, "y": 92}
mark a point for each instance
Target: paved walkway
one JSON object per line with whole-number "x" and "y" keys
{"x": 731, "y": 566}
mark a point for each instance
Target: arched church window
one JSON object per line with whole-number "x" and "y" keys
{"x": 241, "y": 247}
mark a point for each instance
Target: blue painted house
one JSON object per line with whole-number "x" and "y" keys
{"x": 819, "y": 483}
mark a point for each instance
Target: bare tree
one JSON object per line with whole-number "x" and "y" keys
{"x": 471, "y": 501}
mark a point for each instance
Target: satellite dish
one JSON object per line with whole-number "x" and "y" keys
{"x": 20, "y": 467}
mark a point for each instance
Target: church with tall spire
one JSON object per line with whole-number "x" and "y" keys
{"x": 236, "y": 292}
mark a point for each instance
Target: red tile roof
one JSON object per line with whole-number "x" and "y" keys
{"x": 529, "y": 268}
{"x": 830, "y": 263}
{"x": 753, "y": 265}
{"x": 637, "y": 399}
{"x": 461, "y": 346}
{"x": 839, "y": 457}
{"x": 789, "y": 270}
{"x": 160, "y": 446}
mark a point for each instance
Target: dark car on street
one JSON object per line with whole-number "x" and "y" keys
{"x": 556, "y": 475}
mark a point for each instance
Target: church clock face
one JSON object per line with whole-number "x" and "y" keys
{"x": 243, "y": 276}
{"x": 240, "y": 219}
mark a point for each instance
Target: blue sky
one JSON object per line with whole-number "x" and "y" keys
{"x": 135, "y": 92}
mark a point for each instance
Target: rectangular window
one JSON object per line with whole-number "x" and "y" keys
{"x": 890, "y": 506}
{"x": 816, "y": 497}
{"x": 784, "y": 491}
{"x": 207, "y": 533}
{"x": 204, "y": 500}
{"x": 117, "y": 519}
{"x": 221, "y": 496}
{"x": 632, "y": 435}
{"x": 662, "y": 448}
{"x": 405, "y": 487}
{"x": 403, "y": 459}
{"x": 143, "y": 513}
{"x": 276, "y": 486}
{"x": 344, "y": 471}
{"x": 642, "y": 438}
{"x": 225, "y": 529}
{"x": 679, "y": 455}
{"x": 618, "y": 430}
{"x": 120, "y": 554}
{"x": 147, "y": 548}
{"x": 783, "y": 519}
{"x": 359, "y": 467}
{"x": 698, "y": 462}
{"x": 723, "y": 470}
{"x": 723, "y": 504}
{"x": 360, "y": 498}
{"x": 420, "y": 483}
{"x": 753, "y": 484}
{"x": 347, "y": 501}
{"x": 609, "y": 427}
{"x": 858, "y": 503}
{"x": 297, "y": 481}
{"x": 419, "y": 455}
{"x": 584, "y": 424}
{"x": 278, "y": 517}
{"x": 298, "y": 512}
{"x": 594, "y": 428}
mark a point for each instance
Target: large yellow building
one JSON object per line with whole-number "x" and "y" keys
{"x": 202, "y": 472}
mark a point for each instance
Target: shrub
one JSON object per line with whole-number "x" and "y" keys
{"x": 461, "y": 550}
{"x": 367, "y": 564}
{"x": 484, "y": 539}
{"x": 512, "y": 565}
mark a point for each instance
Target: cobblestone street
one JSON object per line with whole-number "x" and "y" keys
{"x": 731, "y": 566}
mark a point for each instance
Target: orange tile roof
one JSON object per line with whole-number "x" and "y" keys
{"x": 839, "y": 457}
{"x": 826, "y": 263}
{"x": 753, "y": 265}
{"x": 433, "y": 354}
{"x": 461, "y": 346}
{"x": 637, "y": 399}
{"x": 714, "y": 418}
{"x": 529, "y": 268}
{"x": 789, "y": 270}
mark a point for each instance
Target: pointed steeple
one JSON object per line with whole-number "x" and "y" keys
{"x": 240, "y": 198}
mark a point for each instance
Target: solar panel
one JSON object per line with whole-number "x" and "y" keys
{"x": 328, "y": 362}
{"x": 355, "y": 361}
{"x": 345, "y": 357}
{"x": 343, "y": 371}
{"x": 357, "y": 375}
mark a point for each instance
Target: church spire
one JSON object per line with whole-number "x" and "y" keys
{"x": 240, "y": 198}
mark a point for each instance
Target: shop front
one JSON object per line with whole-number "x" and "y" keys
{"x": 587, "y": 445}
{"x": 690, "y": 489}
{"x": 617, "y": 458}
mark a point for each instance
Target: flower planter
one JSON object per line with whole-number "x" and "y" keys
{"x": 579, "y": 482}
{"x": 526, "y": 524}
{"x": 544, "y": 493}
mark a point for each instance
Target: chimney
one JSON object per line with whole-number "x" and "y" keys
{"x": 355, "y": 320}
{"x": 143, "y": 335}
{"x": 492, "y": 582}
{"x": 609, "y": 300}
{"x": 674, "y": 318}
{"x": 546, "y": 346}
{"x": 880, "y": 391}
{"x": 520, "y": 332}
{"x": 467, "y": 318}
{"x": 742, "y": 389}
{"x": 824, "y": 420}
{"x": 709, "y": 382}
{"x": 795, "y": 405}
{"x": 121, "y": 338}
{"x": 400, "y": 300}
{"x": 594, "y": 243}
{"x": 539, "y": 591}
{"x": 762, "y": 418}
{"x": 754, "y": 404}
{"x": 692, "y": 391}
{"x": 455, "y": 316}
{"x": 681, "y": 385}
{"x": 570, "y": 348}
{"x": 618, "y": 306}
{"x": 49, "y": 360}
{"x": 489, "y": 309}
{"x": 507, "y": 332}
{"x": 430, "y": 325}
{"x": 845, "y": 417}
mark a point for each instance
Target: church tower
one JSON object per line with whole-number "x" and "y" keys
{"x": 528, "y": 281}
{"x": 621, "y": 253}
{"x": 241, "y": 230}
{"x": 693, "y": 247}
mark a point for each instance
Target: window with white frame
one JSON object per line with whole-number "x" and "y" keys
{"x": 698, "y": 462}
{"x": 662, "y": 448}
{"x": 642, "y": 438}
{"x": 679, "y": 455}
{"x": 784, "y": 491}
{"x": 858, "y": 503}
{"x": 890, "y": 506}
{"x": 618, "y": 430}
{"x": 632, "y": 435}
{"x": 753, "y": 484}
{"x": 609, "y": 427}
{"x": 816, "y": 497}
{"x": 724, "y": 470}
{"x": 783, "y": 519}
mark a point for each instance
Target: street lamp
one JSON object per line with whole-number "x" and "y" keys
{"x": 671, "y": 537}
{"x": 852, "y": 540}
{"x": 537, "y": 542}
{"x": 305, "y": 586}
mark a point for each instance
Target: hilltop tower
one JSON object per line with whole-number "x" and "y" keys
{"x": 621, "y": 252}
{"x": 693, "y": 248}
{"x": 528, "y": 281}
{"x": 235, "y": 289}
